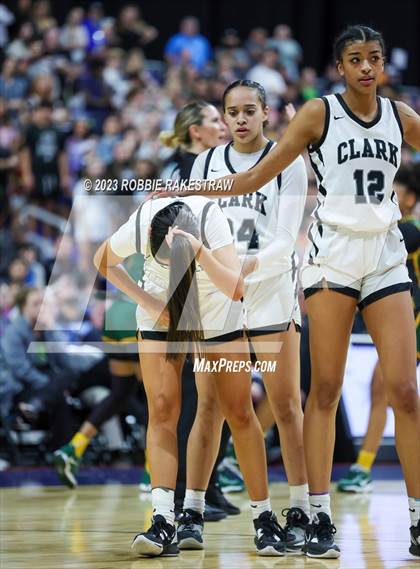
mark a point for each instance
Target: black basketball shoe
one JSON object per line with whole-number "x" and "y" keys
{"x": 319, "y": 538}
{"x": 415, "y": 540}
{"x": 269, "y": 535}
{"x": 190, "y": 530}
{"x": 295, "y": 528}
{"x": 159, "y": 539}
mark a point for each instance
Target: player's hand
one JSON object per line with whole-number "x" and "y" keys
{"x": 158, "y": 311}
{"x": 196, "y": 244}
{"x": 290, "y": 111}
{"x": 249, "y": 264}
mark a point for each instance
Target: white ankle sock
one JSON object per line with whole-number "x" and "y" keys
{"x": 414, "y": 507}
{"x": 257, "y": 508}
{"x": 163, "y": 504}
{"x": 319, "y": 503}
{"x": 195, "y": 500}
{"x": 299, "y": 497}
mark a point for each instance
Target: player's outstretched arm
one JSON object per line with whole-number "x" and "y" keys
{"x": 410, "y": 121}
{"x": 304, "y": 129}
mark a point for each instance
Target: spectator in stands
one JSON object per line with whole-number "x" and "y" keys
{"x": 309, "y": 88}
{"x": 266, "y": 73}
{"x": 41, "y": 16}
{"x": 93, "y": 26}
{"x": 189, "y": 46}
{"x": 230, "y": 44}
{"x": 256, "y": 43}
{"x": 6, "y": 19}
{"x": 9, "y": 142}
{"x": 13, "y": 88}
{"x": 289, "y": 50}
{"x": 42, "y": 159}
{"x": 74, "y": 37}
{"x": 43, "y": 377}
{"x": 132, "y": 31}
{"x": 96, "y": 93}
{"x": 36, "y": 274}
{"x": 78, "y": 145}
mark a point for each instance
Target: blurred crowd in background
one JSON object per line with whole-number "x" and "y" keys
{"x": 80, "y": 100}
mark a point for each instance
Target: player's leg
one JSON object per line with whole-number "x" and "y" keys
{"x": 202, "y": 450}
{"x": 390, "y": 322}
{"x": 162, "y": 383}
{"x": 234, "y": 392}
{"x": 331, "y": 316}
{"x": 123, "y": 383}
{"x": 283, "y": 392}
{"x": 358, "y": 478}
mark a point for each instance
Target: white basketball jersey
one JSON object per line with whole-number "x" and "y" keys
{"x": 254, "y": 218}
{"x": 355, "y": 163}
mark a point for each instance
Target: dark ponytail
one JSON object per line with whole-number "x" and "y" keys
{"x": 353, "y": 34}
{"x": 183, "y": 304}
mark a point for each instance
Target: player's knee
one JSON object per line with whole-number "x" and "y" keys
{"x": 404, "y": 397}
{"x": 327, "y": 394}
{"x": 163, "y": 410}
{"x": 239, "y": 415}
{"x": 287, "y": 411}
{"x": 208, "y": 409}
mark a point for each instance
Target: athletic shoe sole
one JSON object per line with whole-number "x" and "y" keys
{"x": 143, "y": 546}
{"x": 295, "y": 551}
{"x": 270, "y": 551}
{"x": 233, "y": 489}
{"x": 62, "y": 464}
{"x": 190, "y": 543}
{"x": 330, "y": 554}
{"x": 357, "y": 489}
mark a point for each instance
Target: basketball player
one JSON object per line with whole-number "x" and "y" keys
{"x": 265, "y": 233}
{"x": 356, "y": 257}
{"x": 198, "y": 126}
{"x": 182, "y": 304}
{"x": 407, "y": 188}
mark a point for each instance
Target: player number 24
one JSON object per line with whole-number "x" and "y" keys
{"x": 246, "y": 232}
{"x": 375, "y": 185}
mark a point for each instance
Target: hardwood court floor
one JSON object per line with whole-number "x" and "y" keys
{"x": 92, "y": 527}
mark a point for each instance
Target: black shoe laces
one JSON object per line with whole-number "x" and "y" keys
{"x": 324, "y": 530}
{"x": 189, "y": 518}
{"x": 295, "y": 517}
{"x": 271, "y": 527}
{"x": 159, "y": 526}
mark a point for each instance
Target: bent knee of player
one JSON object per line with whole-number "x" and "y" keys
{"x": 163, "y": 410}
{"x": 326, "y": 393}
{"x": 404, "y": 396}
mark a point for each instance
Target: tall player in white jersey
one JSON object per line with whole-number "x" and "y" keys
{"x": 357, "y": 257}
{"x": 265, "y": 233}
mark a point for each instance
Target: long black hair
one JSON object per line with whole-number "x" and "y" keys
{"x": 183, "y": 304}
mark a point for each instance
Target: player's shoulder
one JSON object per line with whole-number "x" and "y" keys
{"x": 197, "y": 203}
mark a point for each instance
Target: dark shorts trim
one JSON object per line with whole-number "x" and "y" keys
{"x": 264, "y": 330}
{"x": 383, "y": 292}
{"x": 162, "y": 336}
{"x": 347, "y": 290}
